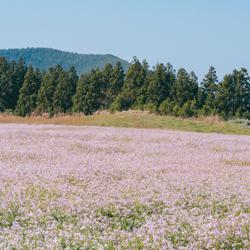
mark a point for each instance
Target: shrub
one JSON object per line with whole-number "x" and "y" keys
{"x": 166, "y": 107}
{"x": 150, "y": 107}
{"x": 246, "y": 115}
{"x": 123, "y": 101}
{"x": 176, "y": 110}
{"x": 188, "y": 109}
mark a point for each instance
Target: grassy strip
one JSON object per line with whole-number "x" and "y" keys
{"x": 136, "y": 120}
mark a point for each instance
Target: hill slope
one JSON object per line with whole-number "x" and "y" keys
{"x": 43, "y": 58}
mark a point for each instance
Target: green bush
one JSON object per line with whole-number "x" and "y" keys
{"x": 176, "y": 110}
{"x": 246, "y": 115}
{"x": 150, "y": 107}
{"x": 167, "y": 107}
{"x": 188, "y": 109}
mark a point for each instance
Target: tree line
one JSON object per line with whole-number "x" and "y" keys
{"x": 25, "y": 90}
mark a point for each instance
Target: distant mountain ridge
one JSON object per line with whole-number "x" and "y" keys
{"x": 43, "y": 58}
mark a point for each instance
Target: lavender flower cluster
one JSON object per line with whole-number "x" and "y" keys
{"x": 69, "y": 187}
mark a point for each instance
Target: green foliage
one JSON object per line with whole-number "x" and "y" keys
{"x": 132, "y": 93}
{"x": 158, "y": 90}
{"x": 246, "y": 115}
{"x": 207, "y": 91}
{"x": 188, "y": 109}
{"x": 159, "y": 84}
{"x": 128, "y": 220}
{"x": 11, "y": 80}
{"x": 28, "y": 93}
{"x": 124, "y": 101}
{"x": 116, "y": 81}
{"x": 185, "y": 87}
{"x": 8, "y": 216}
{"x": 90, "y": 93}
{"x": 233, "y": 97}
{"x": 167, "y": 107}
{"x": 151, "y": 107}
{"x": 65, "y": 90}
{"x": 45, "y": 58}
{"x": 83, "y": 101}
{"x": 48, "y": 88}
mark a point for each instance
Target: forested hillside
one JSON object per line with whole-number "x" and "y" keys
{"x": 161, "y": 90}
{"x": 44, "y": 58}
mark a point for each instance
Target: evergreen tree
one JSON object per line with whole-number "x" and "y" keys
{"x": 106, "y": 87}
{"x": 194, "y": 85}
{"x": 107, "y": 73}
{"x": 133, "y": 92}
{"x": 242, "y": 92}
{"x": 160, "y": 84}
{"x": 210, "y": 81}
{"x": 48, "y": 88}
{"x": 58, "y": 91}
{"x": 28, "y": 93}
{"x": 62, "y": 95}
{"x": 19, "y": 70}
{"x": 185, "y": 87}
{"x": 65, "y": 90}
{"x": 4, "y": 83}
{"x": 207, "y": 91}
{"x": 141, "y": 90}
{"x": 171, "y": 78}
{"x": 113, "y": 83}
{"x": 11, "y": 79}
{"x": 225, "y": 96}
{"x": 73, "y": 78}
{"x": 89, "y": 94}
{"x": 233, "y": 97}
{"x": 79, "y": 99}
{"x": 116, "y": 82}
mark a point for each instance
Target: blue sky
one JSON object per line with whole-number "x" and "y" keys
{"x": 188, "y": 33}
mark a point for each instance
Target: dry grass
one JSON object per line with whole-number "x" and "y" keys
{"x": 236, "y": 162}
{"x": 136, "y": 119}
{"x": 213, "y": 120}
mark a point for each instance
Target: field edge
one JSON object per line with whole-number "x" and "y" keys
{"x": 136, "y": 120}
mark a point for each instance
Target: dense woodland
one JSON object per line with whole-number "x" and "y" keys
{"x": 25, "y": 90}
{"x": 44, "y": 58}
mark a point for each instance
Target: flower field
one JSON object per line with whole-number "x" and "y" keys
{"x": 72, "y": 187}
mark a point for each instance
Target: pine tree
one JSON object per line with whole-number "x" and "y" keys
{"x": 47, "y": 90}
{"x": 160, "y": 89}
{"x": 224, "y": 99}
{"x": 242, "y": 92}
{"x": 171, "y": 78}
{"x": 73, "y": 78}
{"x": 4, "y": 82}
{"x": 133, "y": 92}
{"x": 159, "y": 85}
{"x": 116, "y": 82}
{"x": 19, "y": 70}
{"x": 81, "y": 92}
{"x": 106, "y": 87}
{"x": 27, "y": 100}
{"x": 65, "y": 90}
{"x": 11, "y": 80}
{"x": 209, "y": 81}
{"x": 185, "y": 87}
{"x": 62, "y": 95}
{"x": 193, "y": 87}
{"x": 207, "y": 91}
{"x": 233, "y": 97}
{"x": 89, "y": 95}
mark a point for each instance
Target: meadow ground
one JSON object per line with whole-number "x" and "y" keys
{"x": 77, "y": 187}
{"x": 137, "y": 119}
